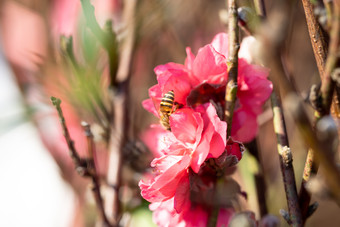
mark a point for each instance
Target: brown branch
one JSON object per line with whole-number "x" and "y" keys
{"x": 324, "y": 156}
{"x": 85, "y": 167}
{"x": 78, "y": 162}
{"x": 325, "y": 68}
{"x": 94, "y": 175}
{"x": 260, "y": 8}
{"x": 260, "y": 182}
{"x": 318, "y": 41}
{"x": 327, "y": 86}
{"x": 121, "y": 124}
{"x": 286, "y": 162}
{"x": 232, "y": 62}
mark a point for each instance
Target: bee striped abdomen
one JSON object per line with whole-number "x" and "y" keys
{"x": 165, "y": 108}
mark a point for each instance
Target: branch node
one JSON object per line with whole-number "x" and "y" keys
{"x": 312, "y": 208}
{"x": 285, "y": 216}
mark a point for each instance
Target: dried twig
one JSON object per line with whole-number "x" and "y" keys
{"x": 81, "y": 166}
{"x": 94, "y": 175}
{"x": 85, "y": 167}
{"x": 259, "y": 178}
{"x": 121, "y": 124}
{"x": 286, "y": 163}
{"x": 320, "y": 52}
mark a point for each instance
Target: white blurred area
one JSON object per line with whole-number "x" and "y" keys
{"x": 32, "y": 192}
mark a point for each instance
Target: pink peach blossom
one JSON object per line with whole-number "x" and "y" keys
{"x": 253, "y": 90}
{"x": 194, "y": 137}
{"x": 164, "y": 215}
{"x": 209, "y": 66}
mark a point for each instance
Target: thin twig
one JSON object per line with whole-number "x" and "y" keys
{"x": 85, "y": 167}
{"x": 232, "y": 62}
{"x": 121, "y": 125}
{"x": 327, "y": 86}
{"x": 316, "y": 35}
{"x": 259, "y": 178}
{"x": 94, "y": 175}
{"x": 231, "y": 88}
{"x": 260, "y": 8}
{"x": 78, "y": 162}
{"x": 324, "y": 156}
{"x": 320, "y": 52}
{"x": 286, "y": 162}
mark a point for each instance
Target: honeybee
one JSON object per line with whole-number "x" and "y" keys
{"x": 165, "y": 109}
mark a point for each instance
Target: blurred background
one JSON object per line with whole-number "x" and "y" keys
{"x": 40, "y": 186}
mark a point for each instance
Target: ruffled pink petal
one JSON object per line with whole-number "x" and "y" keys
{"x": 149, "y": 106}
{"x": 154, "y": 138}
{"x": 201, "y": 152}
{"x": 160, "y": 69}
{"x": 197, "y": 216}
{"x": 210, "y": 66}
{"x": 163, "y": 186}
{"x": 254, "y": 88}
{"x": 174, "y": 77}
{"x": 182, "y": 196}
{"x": 220, "y": 43}
{"x": 187, "y": 126}
{"x": 213, "y": 140}
{"x": 155, "y": 94}
{"x": 224, "y": 216}
{"x": 244, "y": 126}
{"x": 218, "y": 140}
{"x": 189, "y": 61}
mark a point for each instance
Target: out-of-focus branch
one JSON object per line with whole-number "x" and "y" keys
{"x": 232, "y": 62}
{"x": 121, "y": 124}
{"x": 106, "y": 37}
{"x": 85, "y": 167}
{"x": 286, "y": 163}
{"x": 316, "y": 35}
{"x": 94, "y": 175}
{"x": 231, "y": 88}
{"x": 319, "y": 46}
{"x": 327, "y": 86}
{"x": 260, "y": 8}
{"x": 325, "y": 67}
{"x": 81, "y": 165}
{"x": 259, "y": 178}
{"x": 277, "y": 25}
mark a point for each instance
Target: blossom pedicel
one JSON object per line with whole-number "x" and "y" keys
{"x": 182, "y": 189}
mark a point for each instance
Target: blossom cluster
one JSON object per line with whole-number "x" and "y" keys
{"x": 192, "y": 154}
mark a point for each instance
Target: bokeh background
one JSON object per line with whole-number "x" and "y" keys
{"x": 39, "y": 186}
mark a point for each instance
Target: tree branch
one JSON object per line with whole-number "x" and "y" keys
{"x": 85, "y": 167}
{"x": 232, "y": 62}
{"x": 286, "y": 162}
